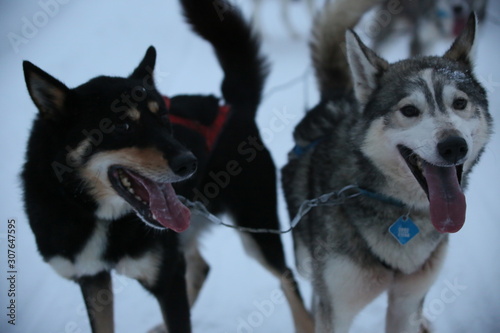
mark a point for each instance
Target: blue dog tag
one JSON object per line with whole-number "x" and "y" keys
{"x": 404, "y": 229}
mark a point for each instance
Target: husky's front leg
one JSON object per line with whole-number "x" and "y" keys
{"x": 344, "y": 290}
{"x": 99, "y": 308}
{"x": 407, "y": 293}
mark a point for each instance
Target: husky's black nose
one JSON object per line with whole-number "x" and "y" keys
{"x": 184, "y": 164}
{"x": 453, "y": 149}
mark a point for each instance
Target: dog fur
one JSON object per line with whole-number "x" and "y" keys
{"x": 100, "y": 162}
{"x": 400, "y": 131}
{"x": 83, "y": 226}
{"x": 250, "y": 197}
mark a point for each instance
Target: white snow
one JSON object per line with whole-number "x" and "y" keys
{"x": 78, "y": 40}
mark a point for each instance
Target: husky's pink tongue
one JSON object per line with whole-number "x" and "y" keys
{"x": 447, "y": 200}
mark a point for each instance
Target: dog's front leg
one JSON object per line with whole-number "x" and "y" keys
{"x": 171, "y": 293}
{"x": 407, "y": 293}
{"x": 98, "y": 296}
{"x": 343, "y": 288}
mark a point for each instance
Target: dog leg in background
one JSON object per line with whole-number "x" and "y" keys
{"x": 98, "y": 295}
{"x": 258, "y": 209}
{"x": 254, "y": 246}
{"x": 267, "y": 248}
{"x": 302, "y": 318}
{"x": 386, "y": 30}
{"x": 423, "y": 37}
{"x": 249, "y": 195}
{"x": 285, "y": 15}
{"x": 196, "y": 272}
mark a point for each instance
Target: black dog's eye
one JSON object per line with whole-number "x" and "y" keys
{"x": 459, "y": 103}
{"x": 410, "y": 111}
{"x": 123, "y": 128}
{"x": 165, "y": 120}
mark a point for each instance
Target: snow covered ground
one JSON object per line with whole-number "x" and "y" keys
{"x": 77, "y": 40}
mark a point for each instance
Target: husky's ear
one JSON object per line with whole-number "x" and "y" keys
{"x": 48, "y": 93}
{"x": 145, "y": 69}
{"x": 464, "y": 47}
{"x": 366, "y": 67}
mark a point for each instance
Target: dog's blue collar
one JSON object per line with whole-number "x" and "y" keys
{"x": 381, "y": 197}
{"x": 301, "y": 150}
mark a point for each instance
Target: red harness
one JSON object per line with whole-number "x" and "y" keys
{"x": 210, "y": 133}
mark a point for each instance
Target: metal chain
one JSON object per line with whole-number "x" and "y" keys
{"x": 328, "y": 199}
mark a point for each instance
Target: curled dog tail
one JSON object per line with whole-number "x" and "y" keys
{"x": 236, "y": 46}
{"x": 328, "y": 44}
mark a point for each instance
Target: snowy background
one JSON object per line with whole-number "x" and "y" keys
{"x": 83, "y": 39}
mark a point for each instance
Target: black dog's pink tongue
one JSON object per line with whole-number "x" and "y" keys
{"x": 447, "y": 200}
{"x": 166, "y": 207}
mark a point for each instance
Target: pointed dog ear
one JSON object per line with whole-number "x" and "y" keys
{"x": 48, "y": 93}
{"x": 365, "y": 65}
{"x": 146, "y": 68}
{"x": 464, "y": 47}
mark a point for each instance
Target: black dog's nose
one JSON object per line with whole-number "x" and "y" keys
{"x": 453, "y": 149}
{"x": 184, "y": 164}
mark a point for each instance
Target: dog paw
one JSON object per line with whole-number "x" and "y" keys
{"x": 158, "y": 329}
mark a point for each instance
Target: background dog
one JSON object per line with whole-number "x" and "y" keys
{"x": 406, "y": 135}
{"x": 240, "y": 163}
{"x": 428, "y": 21}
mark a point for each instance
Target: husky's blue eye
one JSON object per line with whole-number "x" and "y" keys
{"x": 410, "y": 111}
{"x": 459, "y": 103}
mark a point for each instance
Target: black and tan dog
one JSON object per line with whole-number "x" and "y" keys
{"x": 106, "y": 160}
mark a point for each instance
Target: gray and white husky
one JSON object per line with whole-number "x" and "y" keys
{"x": 406, "y": 135}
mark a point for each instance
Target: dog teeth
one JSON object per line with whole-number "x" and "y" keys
{"x": 419, "y": 164}
{"x": 127, "y": 184}
{"x": 125, "y": 181}
{"x": 416, "y": 161}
